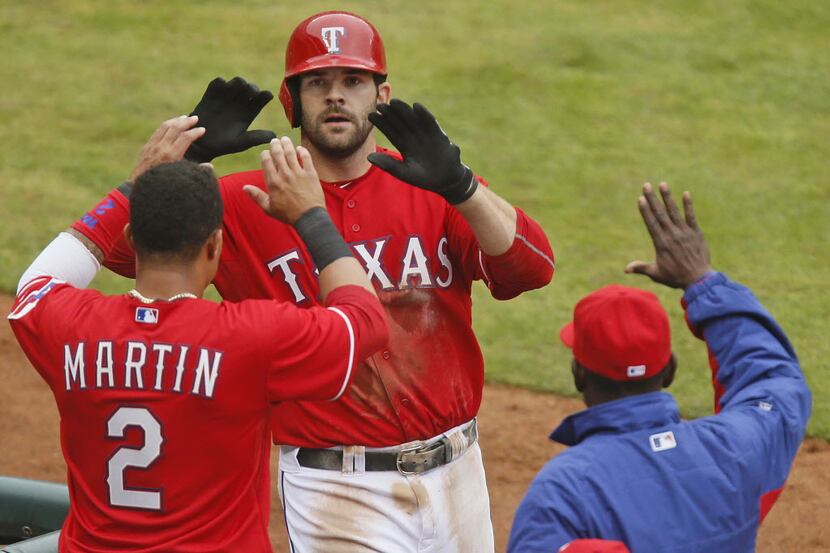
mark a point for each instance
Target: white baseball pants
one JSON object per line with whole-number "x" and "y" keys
{"x": 445, "y": 510}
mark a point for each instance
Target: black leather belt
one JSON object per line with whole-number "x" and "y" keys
{"x": 408, "y": 460}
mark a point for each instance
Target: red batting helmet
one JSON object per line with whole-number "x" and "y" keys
{"x": 329, "y": 39}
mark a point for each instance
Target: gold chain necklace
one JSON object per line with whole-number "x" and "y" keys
{"x": 143, "y": 299}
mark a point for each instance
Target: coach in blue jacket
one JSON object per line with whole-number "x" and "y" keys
{"x": 635, "y": 471}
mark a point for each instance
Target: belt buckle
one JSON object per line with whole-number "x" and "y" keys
{"x": 414, "y": 448}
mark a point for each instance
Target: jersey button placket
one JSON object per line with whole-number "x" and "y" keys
{"x": 349, "y": 204}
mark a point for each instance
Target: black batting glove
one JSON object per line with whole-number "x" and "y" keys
{"x": 430, "y": 160}
{"x": 226, "y": 110}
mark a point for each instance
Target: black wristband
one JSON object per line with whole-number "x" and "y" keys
{"x": 322, "y": 240}
{"x": 126, "y": 188}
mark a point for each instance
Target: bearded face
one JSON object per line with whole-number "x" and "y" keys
{"x": 337, "y": 132}
{"x": 335, "y": 107}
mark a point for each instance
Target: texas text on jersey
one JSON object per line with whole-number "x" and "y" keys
{"x": 421, "y": 255}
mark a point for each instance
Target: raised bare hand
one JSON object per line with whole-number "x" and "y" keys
{"x": 169, "y": 143}
{"x": 292, "y": 182}
{"x": 682, "y": 256}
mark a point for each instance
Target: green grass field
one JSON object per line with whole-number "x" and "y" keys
{"x": 566, "y": 107}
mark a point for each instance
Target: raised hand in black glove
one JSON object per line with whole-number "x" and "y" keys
{"x": 225, "y": 111}
{"x": 430, "y": 160}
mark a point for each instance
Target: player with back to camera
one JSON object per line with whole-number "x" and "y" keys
{"x": 163, "y": 396}
{"x": 394, "y": 465}
{"x": 636, "y": 472}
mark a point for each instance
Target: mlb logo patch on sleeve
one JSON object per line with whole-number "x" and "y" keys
{"x": 147, "y": 315}
{"x": 662, "y": 441}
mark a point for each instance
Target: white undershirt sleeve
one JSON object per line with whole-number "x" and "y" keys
{"x": 65, "y": 258}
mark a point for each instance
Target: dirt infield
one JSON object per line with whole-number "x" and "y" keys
{"x": 514, "y": 427}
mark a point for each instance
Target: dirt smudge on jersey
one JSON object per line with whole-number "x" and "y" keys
{"x": 367, "y": 391}
{"x": 417, "y": 320}
{"x": 412, "y": 309}
{"x": 419, "y": 324}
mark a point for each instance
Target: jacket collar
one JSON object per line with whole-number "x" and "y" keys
{"x": 616, "y": 417}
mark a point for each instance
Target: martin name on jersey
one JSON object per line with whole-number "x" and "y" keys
{"x": 176, "y": 368}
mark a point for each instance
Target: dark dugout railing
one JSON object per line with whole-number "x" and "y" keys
{"x": 31, "y": 513}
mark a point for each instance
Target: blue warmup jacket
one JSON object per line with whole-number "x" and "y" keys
{"x": 639, "y": 474}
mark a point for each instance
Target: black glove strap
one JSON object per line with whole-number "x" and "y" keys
{"x": 463, "y": 189}
{"x": 323, "y": 241}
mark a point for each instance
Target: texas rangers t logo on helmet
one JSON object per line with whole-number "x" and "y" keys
{"x": 330, "y": 36}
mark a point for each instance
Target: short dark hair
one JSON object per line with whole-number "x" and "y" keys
{"x": 621, "y": 388}
{"x": 174, "y": 208}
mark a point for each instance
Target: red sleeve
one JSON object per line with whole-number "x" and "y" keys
{"x": 104, "y": 225}
{"x": 311, "y": 353}
{"x": 528, "y": 263}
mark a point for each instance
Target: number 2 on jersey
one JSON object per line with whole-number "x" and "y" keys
{"x": 127, "y": 457}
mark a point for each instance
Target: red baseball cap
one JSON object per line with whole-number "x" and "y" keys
{"x": 594, "y": 546}
{"x": 619, "y": 332}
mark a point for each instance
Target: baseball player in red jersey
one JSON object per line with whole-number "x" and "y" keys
{"x": 164, "y": 397}
{"x": 393, "y": 465}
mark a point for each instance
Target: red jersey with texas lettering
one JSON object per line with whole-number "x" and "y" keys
{"x": 165, "y": 406}
{"x": 421, "y": 255}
